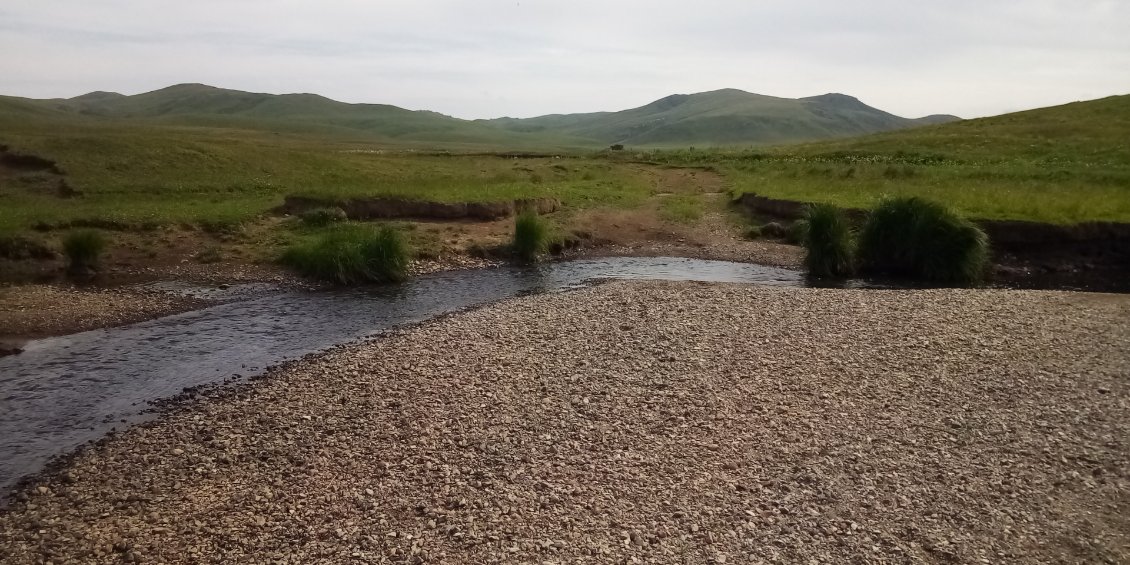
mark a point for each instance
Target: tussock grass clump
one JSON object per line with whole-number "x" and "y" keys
{"x": 352, "y": 255}
{"x": 83, "y": 248}
{"x": 531, "y": 236}
{"x": 321, "y": 217}
{"x": 917, "y": 238}
{"x": 829, "y": 245}
{"x": 797, "y": 232}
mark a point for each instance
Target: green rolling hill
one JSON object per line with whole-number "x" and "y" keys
{"x": 723, "y": 117}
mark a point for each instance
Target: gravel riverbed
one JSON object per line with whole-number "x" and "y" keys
{"x": 640, "y": 423}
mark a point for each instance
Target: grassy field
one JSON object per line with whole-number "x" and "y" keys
{"x": 150, "y": 175}
{"x": 1061, "y": 165}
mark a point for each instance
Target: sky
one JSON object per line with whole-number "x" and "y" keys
{"x": 520, "y": 58}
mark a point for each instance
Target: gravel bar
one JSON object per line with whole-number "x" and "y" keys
{"x": 639, "y": 423}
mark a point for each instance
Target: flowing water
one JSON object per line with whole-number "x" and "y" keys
{"x": 62, "y": 392}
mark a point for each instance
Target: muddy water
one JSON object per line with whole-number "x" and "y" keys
{"x": 62, "y": 392}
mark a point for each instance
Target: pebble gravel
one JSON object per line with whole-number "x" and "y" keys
{"x": 638, "y": 422}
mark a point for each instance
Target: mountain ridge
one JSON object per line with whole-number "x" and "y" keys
{"x": 720, "y": 117}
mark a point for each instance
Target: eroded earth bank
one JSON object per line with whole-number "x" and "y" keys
{"x": 640, "y": 422}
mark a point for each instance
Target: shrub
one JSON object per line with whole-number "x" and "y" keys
{"x": 321, "y": 217}
{"x": 83, "y": 249}
{"x": 917, "y": 238}
{"x": 352, "y": 255}
{"x": 828, "y": 242}
{"x": 531, "y": 236}
{"x": 753, "y": 232}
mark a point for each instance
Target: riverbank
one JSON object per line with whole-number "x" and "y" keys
{"x": 662, "y": 422}
{"x": 36, "y": 311}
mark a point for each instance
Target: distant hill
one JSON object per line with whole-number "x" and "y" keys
{"x": 208, "y": 106}
{"x": 1094, "y": 131}
{"x": 724, "y": 117}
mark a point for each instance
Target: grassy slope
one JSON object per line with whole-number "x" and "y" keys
{"x": 137, "y": 172}
{"x": 1065, "y": 164}
{"x": 207, "y": 106}
{"x": 721, "y": 117}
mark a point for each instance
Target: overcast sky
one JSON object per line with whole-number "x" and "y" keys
{"x": 487, "y": 58}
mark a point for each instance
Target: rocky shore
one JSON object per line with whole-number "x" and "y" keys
{"x": 640, "y": 423}
{"x": 34, "y": 311}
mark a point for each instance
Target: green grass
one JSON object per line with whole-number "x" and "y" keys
{"x": 321, "y": 217}
{"x": 351, "y": 254}
{"x": 135, "y": 174}
{"x": 1061, "y": 165}
{"x": 924, "y": 240}
{"x": 681, "y": 208}
{"x": 829, "y": 247}
{"x": 531, "y": 236}
{"x": 83, "y": 249}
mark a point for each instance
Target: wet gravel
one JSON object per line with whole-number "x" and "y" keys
{"x": 30, "y": 311}
{"x": 640, "y": 423}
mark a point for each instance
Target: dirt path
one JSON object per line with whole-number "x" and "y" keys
{"x": 641, "y": 422}
{"x": 717, "y": 234}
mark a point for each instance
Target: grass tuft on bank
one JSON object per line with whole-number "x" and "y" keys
{"x": 531, "y": 236}
{"x": 351, "y": 254}
{"x": 828, "y": 242}
{"x": 917, "y": 238}
{"x": 83, "y": 249}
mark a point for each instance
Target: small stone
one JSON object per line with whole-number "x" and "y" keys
{"x": 178, "y": 451}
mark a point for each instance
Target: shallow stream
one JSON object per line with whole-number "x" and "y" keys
{"x": 62, "y": 392}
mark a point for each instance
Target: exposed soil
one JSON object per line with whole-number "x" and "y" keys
{"x": 640, "y": 422}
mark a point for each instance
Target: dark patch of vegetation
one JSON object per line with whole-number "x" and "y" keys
{"x": 210, "y": 254}
{"x": 531, "y": 236}
{"x": 221, "y": 226}
{"x": 773, "y": 230}
{"x": 83, "y": 249}
{"x": 17, "y": 248}
{"x": 828, "y": 242}
{"x": 917, "y": 238}
{"x": 797, "y": 232}
{"x": 351, "y": 254}
{"x": 321, "y": 217}
{"x": 753, "y": 232}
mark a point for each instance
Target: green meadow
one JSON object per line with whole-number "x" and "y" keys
{"x": 1062, "y": 165}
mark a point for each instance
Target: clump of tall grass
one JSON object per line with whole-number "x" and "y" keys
{"x": 352, "y": 255}
{"x": 828, "y": 242}
{"x": 531, "y": 236}
{"x": 83, "y": 249}
{"x": 321, "y": 217}
{"x": 917, "y": 238}
{"x": 797, "y": 232}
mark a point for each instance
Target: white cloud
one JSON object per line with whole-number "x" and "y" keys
{"x": 526, "y": 57}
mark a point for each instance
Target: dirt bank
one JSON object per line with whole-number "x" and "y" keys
{"x": 1017, "y": 244}
{"x": 641, "y": 422}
